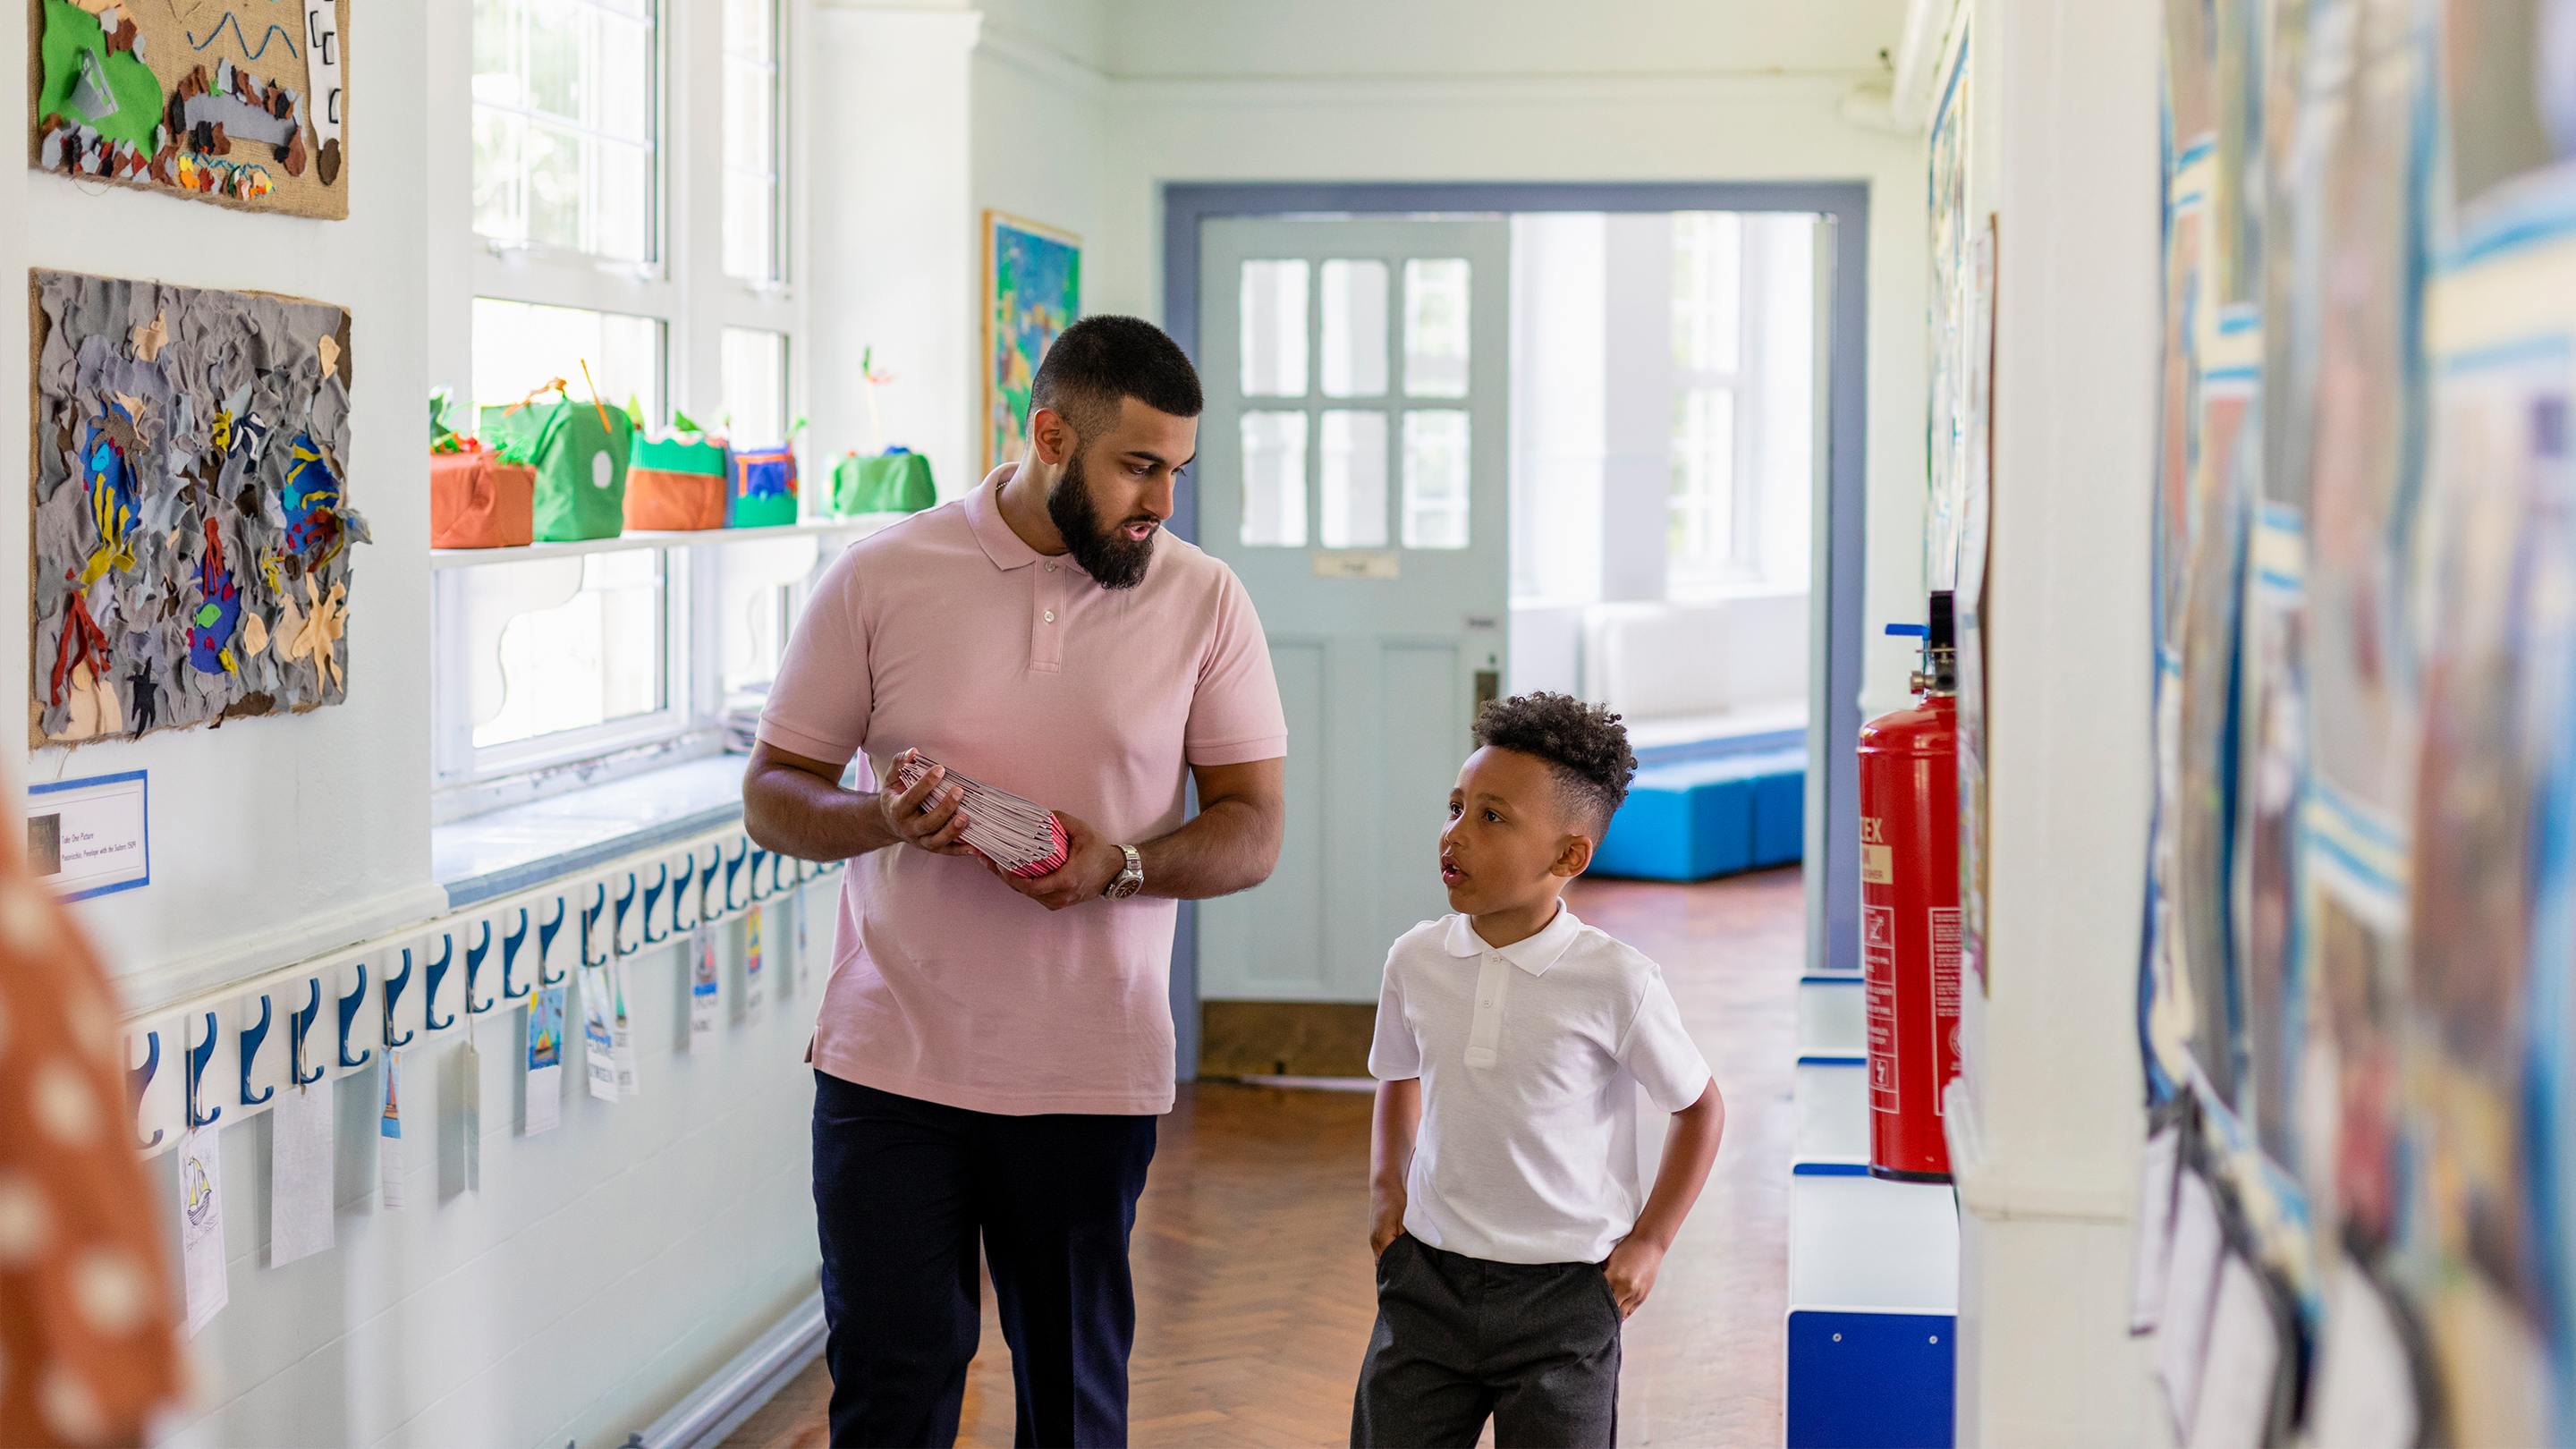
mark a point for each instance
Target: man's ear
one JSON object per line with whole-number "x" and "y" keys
{"x": 1051, "y": 437}
{"x": 1574, "y": 857}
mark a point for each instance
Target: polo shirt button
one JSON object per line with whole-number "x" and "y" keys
{"x": 1050, "y": 568}
{"x": 1050, "y": 616}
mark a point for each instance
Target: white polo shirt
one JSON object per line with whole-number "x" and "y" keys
{"x": 1533, "y": 1058}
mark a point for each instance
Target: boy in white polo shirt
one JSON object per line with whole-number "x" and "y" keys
{"x": 1513, "y": 1044}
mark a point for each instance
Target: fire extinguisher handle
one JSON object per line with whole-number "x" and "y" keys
{"x": 1915, "y": 631}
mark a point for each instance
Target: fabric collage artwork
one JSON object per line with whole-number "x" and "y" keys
{"x": 192, "y": 537}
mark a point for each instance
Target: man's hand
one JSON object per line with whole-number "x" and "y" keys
{"x": 936, "y": 830}
{"x": 1631, "y": 1271}
{"x": 1090, "y": 864}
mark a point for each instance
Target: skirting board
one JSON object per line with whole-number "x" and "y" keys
{"x": 1285, "y": 1038}
{"x": 717, "y": 1407}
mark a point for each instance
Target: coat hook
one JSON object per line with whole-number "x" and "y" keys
{"x": 731, "y": 866}
{"x": 473, "y": 963}
{"x": 509, "y": 957}
{"x": 680, "y": 889}
{"x": 139, "y": 1081}
{"x": 590, "y": 917}
{"x": 197, "y": 1056}
{"x": 617, "y": 923}
{"x": 707, "y": 884}
{"x": 438, "y": 973}
{"x": 652, "y": 902}
{"x": 546, "y": 943}
{"x": 348, "y": 1013}
{"x": 250, "y": 1038}
{"x": 393, "y": 992}
{"x": 778, "y": 865}
{"x": 752, "y": 887}
{"x": 298, "y": 1023}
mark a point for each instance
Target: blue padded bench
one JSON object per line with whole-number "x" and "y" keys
{"x": 1700, "y": 818}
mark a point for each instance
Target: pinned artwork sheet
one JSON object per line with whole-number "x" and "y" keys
{"x": 389, "y": 1149}
{"x": 201, "y": 1227}
{"x": 2363, "y": 1396}
{"x": 470, "y": 1110}
{"x": 703, "y": 1000}
{"x": 2239, "y": 1365}
{"x": 804, "y": 950}
{"x": 299, "y": 1171}
{"x": 627, "y": 1084}
{"x": 599, "y": 1030}
{"x": 2156, "y": 1183}
{"x": 545, "y": 1061}
{"x": 2191, "y": 1282}
{"x": 751, "y": 994}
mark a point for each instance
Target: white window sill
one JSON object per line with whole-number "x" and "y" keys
{"x": 500, "y": 851}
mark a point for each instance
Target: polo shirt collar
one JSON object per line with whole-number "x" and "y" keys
{"x": 1534, "y": 955}
{"x": 1005, "y": 548}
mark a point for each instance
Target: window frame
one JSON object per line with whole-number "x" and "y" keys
{"x": 686, "y": 289}
{"x": 1744, "y": 385}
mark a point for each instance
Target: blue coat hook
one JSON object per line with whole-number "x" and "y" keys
{"x": 680, "y": 890}
{"x": 759, "y": 861}
{"x": 251, "y": 1037}
{"x": 393, "y": 992}
{"x": 707, "y": 881}
{"x": 139, "y": 1080}
{"x": 778, "y": 865}
{"x": 197, "y": 1056}
{"x": 474, "y": 962}
{"x": 510, "y": 955}
{"x": 617, "y": 926}
{"x": 348, "y": 1013}
{"x": 590, "y": 917}
{"x": 297, "y": 1024}
{"x": 731, "y": 866}
{"x": 653, "y": 902}
{"x": 546, "y": 943}
{"x": 438, "y": 973}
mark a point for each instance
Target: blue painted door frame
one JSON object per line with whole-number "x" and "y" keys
{"x": 1833, "y": 692}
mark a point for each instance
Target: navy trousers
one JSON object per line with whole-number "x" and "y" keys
{"x": 903, "y": 1191}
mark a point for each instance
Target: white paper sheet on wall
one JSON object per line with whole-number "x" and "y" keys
{"x": 389, "y": 1157}
{"x": 201, "y": 1227}
{"x": 545, "y": 1061}
{"x": 805, "y": 900}
{"x": 2239, "y": 1364}
{"x": 299, "y": 1171}
{"x": 624, "y": 1036}
{"x": 2191, "y": 1280}
{"x": 751, "y": 961}
{"x": 2364, "y": 1393}
{"x": 2156, "y": 1183}
{"x": 599, "y": 1033}
{"x": 705, "y": 1002}
{"x": 469, "y": 1109}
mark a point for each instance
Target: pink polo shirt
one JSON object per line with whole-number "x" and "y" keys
{"x": 949, "y": 634}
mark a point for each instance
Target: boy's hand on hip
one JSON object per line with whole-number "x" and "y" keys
{"x": 1631, "y": 1271}
{"x": 1386, "y": 1225}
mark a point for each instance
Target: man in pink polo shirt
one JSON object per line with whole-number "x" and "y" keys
{"x": 992, "y": 1052}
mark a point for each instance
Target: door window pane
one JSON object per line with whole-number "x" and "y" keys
{"x": 1703, "y": 493}
{"x": 1274, "y": 480}
{"x": 564, "y": 124}
{"x": 1274, "y": 329}
{"x": 518, "y": 346}
{"x": 580, "y": 644}
{"x": 753, "y": 374}
{"x": 1354, "y": 329}
{"x": 751, "y": 139}
{"x": 1435, "y": 327}
{"x": 1435, "y": 478}
{"x": 1708, "y": 289}
{"x": 1354, "y": 479}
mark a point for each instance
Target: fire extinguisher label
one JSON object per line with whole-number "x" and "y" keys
{"x": 1945, "y": 999}
{"x": 1878, "y": 968}
{"x": 1877, "y": 859}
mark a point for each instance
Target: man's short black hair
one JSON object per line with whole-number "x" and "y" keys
{"x": 1585, "y": 742}
{"x": 1099, "y": 360}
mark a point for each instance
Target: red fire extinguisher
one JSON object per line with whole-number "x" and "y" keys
{"x": 1909, "y": 911}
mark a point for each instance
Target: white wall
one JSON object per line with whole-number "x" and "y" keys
{"x": 2067, "y": 144}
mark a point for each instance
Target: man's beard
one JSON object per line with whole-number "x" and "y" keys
{"x": 1112, "y": 561}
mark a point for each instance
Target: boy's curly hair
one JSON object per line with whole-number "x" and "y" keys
{"x": 1585, "y": 742}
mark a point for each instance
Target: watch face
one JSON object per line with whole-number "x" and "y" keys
{"x": 1123, "y": 887}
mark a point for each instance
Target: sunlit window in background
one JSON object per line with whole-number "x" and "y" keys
{"x": 563, "y": 124}
{"x": 753, "y": 375}
{"x": 518, "y": 346}
{"x": 1435, "y": 326}
{"x": 1435, "y": 478}
{"x": 566, "y": 644}
{"x": 752, "y": 143}
{"x": 1711, "y": 499}
{"x": 1703, "y": 491}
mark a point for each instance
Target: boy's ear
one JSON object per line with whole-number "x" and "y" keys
{"x": 1574, "y": 857}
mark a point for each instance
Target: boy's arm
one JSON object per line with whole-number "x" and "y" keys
{"x": 1391, "y": 1129}
{"x": 1689, "y": 1149}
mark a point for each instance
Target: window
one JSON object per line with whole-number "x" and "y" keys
{"x": 620, "y": 651}
{"x": 1707, "y": 541}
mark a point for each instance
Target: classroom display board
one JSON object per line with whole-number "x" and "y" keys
{"x": 2359, "y": 1220}
{"x": 1032, "y": 291}
{"x": 237, "y": 102}
{"x": 191, "y": 541}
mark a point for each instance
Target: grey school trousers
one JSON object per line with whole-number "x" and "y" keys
{"x": 1534, "y": 1345}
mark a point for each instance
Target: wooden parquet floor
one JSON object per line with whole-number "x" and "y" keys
{"x": 1254, "y": 1295}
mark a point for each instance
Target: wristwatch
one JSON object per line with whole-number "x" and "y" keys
{"x": 1130, "y": 880}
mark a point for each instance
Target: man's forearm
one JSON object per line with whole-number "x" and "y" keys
{"x": 1230, "y": 845}
{"x": 787, "y": 810}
